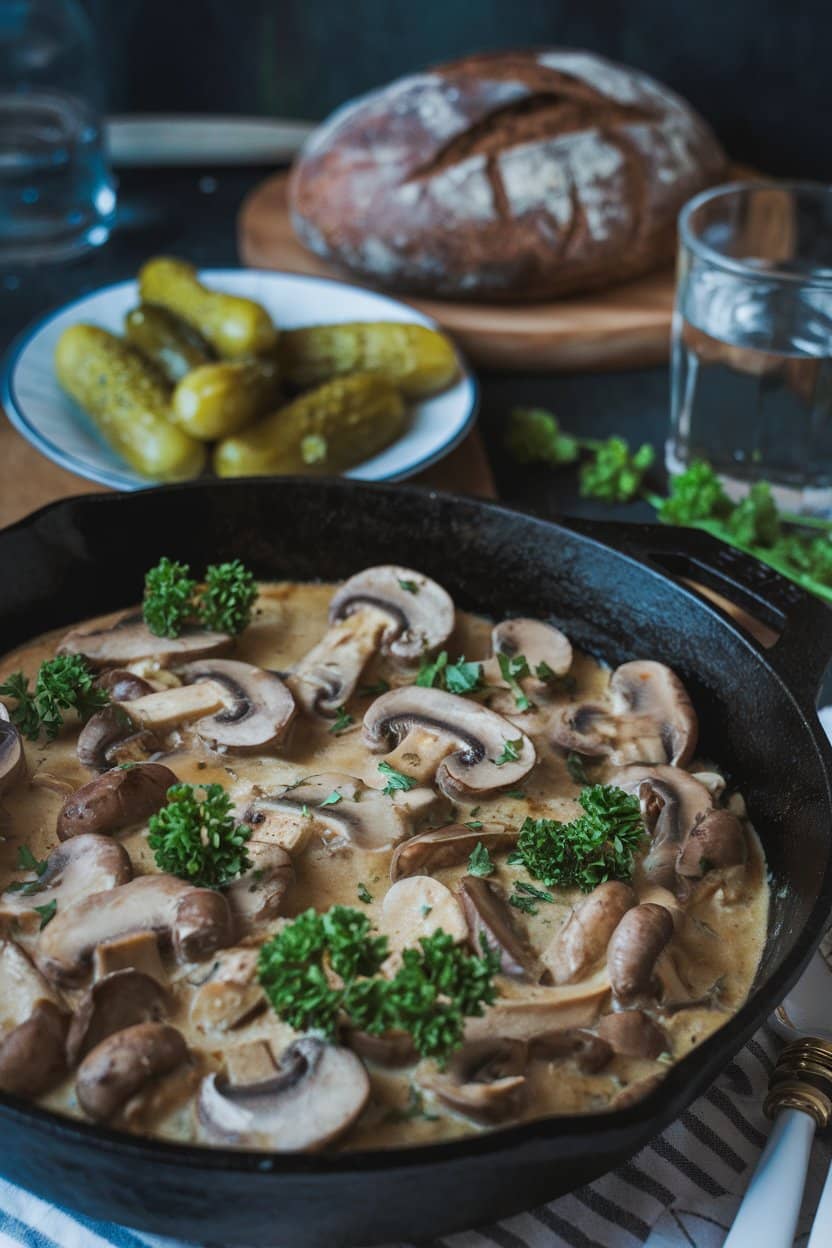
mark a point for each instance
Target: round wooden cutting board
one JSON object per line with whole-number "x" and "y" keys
{"x": 627, "y": 326}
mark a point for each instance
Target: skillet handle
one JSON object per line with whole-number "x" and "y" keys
{"x": 803, "y": 650}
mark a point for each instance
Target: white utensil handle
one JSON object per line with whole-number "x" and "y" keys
{"x": 821, "y": 1236}
{"x": 769, "y": 1210}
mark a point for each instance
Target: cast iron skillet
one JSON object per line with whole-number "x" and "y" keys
{"x": 613, "y": 590}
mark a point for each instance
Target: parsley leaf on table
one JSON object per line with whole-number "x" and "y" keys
{"x": 533, "y": 436}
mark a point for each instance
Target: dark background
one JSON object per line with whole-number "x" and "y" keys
{"x": 759, "y": 70}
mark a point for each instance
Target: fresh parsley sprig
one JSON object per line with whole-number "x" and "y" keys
{"x": 62, "y": 684}
{"x": 195, "y": 837}
{"x": 599, "y": 845}
{"x": 479, "y": 861}
{"x": 321, "y": 969}
{"x": 172, "y": 598}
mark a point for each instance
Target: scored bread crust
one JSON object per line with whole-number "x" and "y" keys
{"x": 504, "y": 176}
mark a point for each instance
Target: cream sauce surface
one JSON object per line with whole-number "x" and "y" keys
{"x": 722, "y": 944}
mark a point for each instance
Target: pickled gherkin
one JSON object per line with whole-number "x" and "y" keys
{"x": 340, "y": 424}
{"x": 234, "y": 326}
{"x": 418, "y": 360}
{"x": 220, "y": 399}
{"x": 166, "y": 340}
{"x": 128, "y": 401}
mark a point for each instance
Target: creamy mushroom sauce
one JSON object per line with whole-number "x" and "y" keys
{"x": 723, "y": 944}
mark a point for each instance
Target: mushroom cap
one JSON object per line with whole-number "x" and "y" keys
{"x": 484, "y": 1080}
{"x": 583, "y": 939}
{"x": 127, "y": 638}
{"x": 646, "y": 689}
{"x": 488, "y": 915}
{"x": 116, "y": 799}
{"x": 480, "y": 736}
{"x": 12, "y": 756}
{"x": 363, "y": 817}
{"x": 634, "y": 948}
{"x": 121, "y": 999}
{"x": 318, "y": 1092}
{"x": 418, "y": 906}
{"x": 447, "y": 847}
{"x": 716, "y": 840}
{"x": 32, "y": 1054}
{"x": 633, "y": 1034}
{"x": 75, "y": 868}
{"x": 196, "y": 920}
{"x": 256, "y": 896}
{"x": 122, "y": 1064}
{"x": 538, "y": 641}
{"x": 421, "y": 618}
{"x": 123, "y": 685}
{"x": 105, "y": 732}
{"x": 261, "y": 708}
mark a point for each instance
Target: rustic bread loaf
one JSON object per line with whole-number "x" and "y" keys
{"x": 504, "y": 176}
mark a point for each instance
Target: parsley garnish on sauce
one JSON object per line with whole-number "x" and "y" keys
{"x": 195, "y": 837}
{"x": 396, "y": 780}
{"x": 343, "y": 720}
{"x": 511, "y": 752}
{"x": 460, "y": 677}
{"x": 479, "y": 861}
{"x": 63, "y": 683}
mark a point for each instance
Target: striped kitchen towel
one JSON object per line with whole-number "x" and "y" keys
{"x": 681, "y": 1191}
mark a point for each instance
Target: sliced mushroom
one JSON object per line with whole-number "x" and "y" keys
{"x": 137, "y": 952}
{"x": 650, "y": 719}
{"x": 260, "y": 708}
{"x": 168, "y": 708}
{"x": 127, "y": 638}
{"x": 196, "y": 920}
{"x": 115, "y": 800}
{"x": 590, "y": 1053}
{"x": 634, "y": 949}
{"x": 32, "y": 1027}
{"x": 672, "y": 803}
{"x": 317, "y": 1093}
{"x": 490, "y": 918}
{"x": 465, "y": 748}
{"x": 484, "y": 1080}
{"x": 583, "y": 939}
{"x": 75, "y": 869}
{"x": 539, "y": 1010}
{"x": 257, "y": 895}
{"x": 419, "y": 906}
{"x": 231, "y": 995}
{"x": 249, "y": 1063}
{"x": 12, "y": 757}
{"x": 339, "y": 809}
{"x": 123, "y": 685}
{"x": 395, "y": 610}
{"x": 119, "y": 1000}
{"x": 447, "y": 847}
{"x": 109, "y": 737}
{"x": 123, "y": 1064}
{"x": 633, "y": 1034}
{"x": 545, "y": 648}
{"x": 716, "y": 841}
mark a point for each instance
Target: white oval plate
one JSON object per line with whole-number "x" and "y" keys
{"x": 56, "y": 425}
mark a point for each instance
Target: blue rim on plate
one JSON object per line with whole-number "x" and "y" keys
{"x": 125, "y": 480}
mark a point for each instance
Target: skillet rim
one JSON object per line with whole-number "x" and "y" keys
{"x": 653, "y": 1112}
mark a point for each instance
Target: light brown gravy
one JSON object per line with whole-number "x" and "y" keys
{"x": 724, "y": 943}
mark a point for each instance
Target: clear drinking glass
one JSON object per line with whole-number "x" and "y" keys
{"x": 56, "y": 192}
{"x": 752, "y": 340}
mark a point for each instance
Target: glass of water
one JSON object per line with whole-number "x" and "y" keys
{"x": 752, "y": 340}
{"x": 56, "y": 191}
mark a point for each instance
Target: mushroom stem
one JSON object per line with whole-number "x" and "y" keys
{"x": 327, "y": 677}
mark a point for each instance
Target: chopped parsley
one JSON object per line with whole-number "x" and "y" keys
{"x": 342, "y": 721}
{"x": 479, "y": 861}
{"x": 460, "y": 677}
{"x": 172, "y": 598}
{"x": 332, "y": 799}
{"x": 533, "y": 436}
{"x": 512, "y": 669}
{"x": 47, "y": 912}
{"x": 364, "y": 893}
{"x": 396, "y": 780}
{"x": 599, "y": 845}
{"x": 575, "y": 767}
{"x": 511, "y": 752}
{"x": 410, "y": 587}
